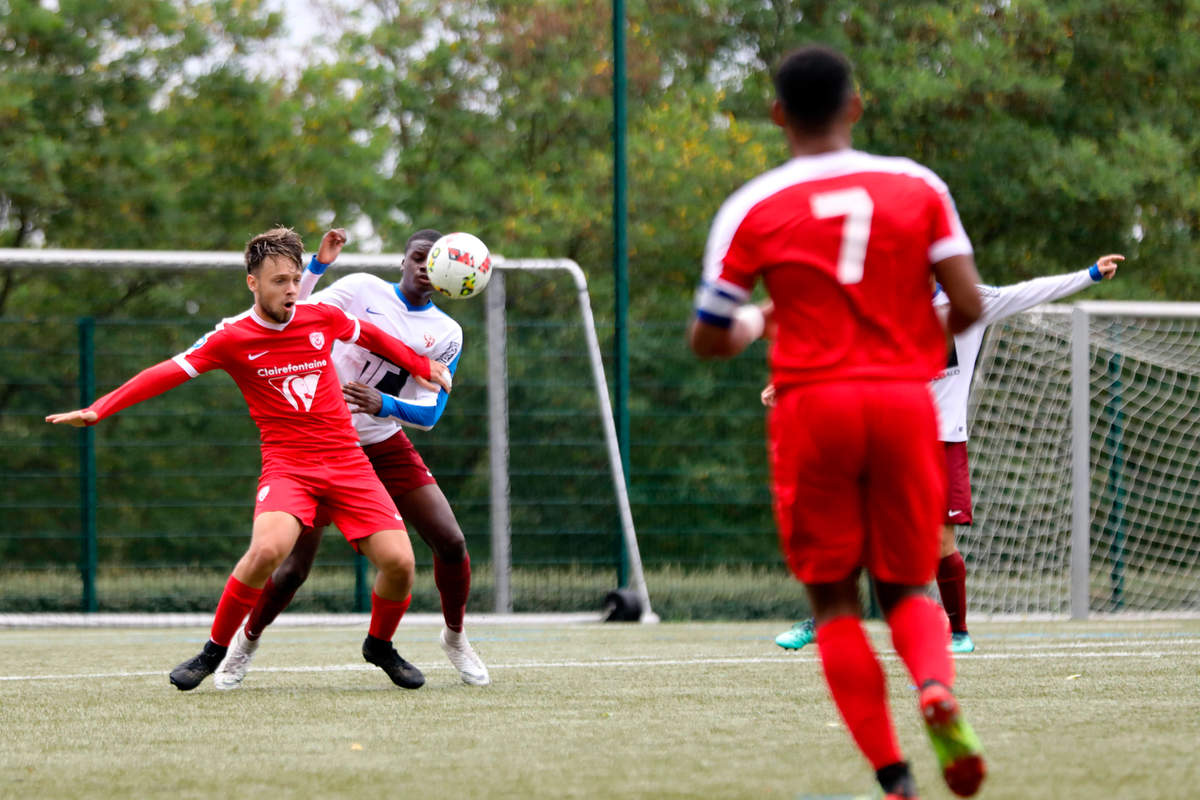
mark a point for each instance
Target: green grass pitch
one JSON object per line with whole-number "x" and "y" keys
{"x": 1106, "y": 708}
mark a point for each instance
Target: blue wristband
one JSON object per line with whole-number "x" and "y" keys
{"x": 1094, "y": 271}
{"x": 316, "y": 267}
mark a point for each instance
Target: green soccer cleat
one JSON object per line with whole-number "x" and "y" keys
{"x": 961, "y": 643}
{"x": 799, "y": 635}
{"x": 958, "y": 751}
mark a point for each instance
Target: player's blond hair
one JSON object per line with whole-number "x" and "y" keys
{"x": 282, "y": 242}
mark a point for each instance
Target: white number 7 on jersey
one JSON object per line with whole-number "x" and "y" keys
{"x": 856, "y": 206}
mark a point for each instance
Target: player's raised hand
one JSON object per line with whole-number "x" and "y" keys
{"x": 440, "y": 377}
{"x": 362, "y": 399}
{"x": 1108, "y": 265}
{"x": 331, "y": 245}
{"x": 78, "y": 418}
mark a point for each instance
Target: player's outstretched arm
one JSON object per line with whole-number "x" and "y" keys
{"x": 959, "y": 280}
{"x": 1004, "y": 301}
{"x": 148, "y": 383}
{"x": 331, "y": 247}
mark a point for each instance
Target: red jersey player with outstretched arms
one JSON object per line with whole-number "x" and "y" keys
{"x": 278, "y": 353}
{"x": 846, "y": 243}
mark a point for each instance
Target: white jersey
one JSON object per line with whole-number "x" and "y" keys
{"x": 952, "y": 387}
{"x": 426, "y": 329}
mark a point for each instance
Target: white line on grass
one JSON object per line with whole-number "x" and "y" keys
{"x": 783, "y": 658}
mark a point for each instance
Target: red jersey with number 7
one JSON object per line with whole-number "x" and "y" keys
{"x": 843, "y": 242}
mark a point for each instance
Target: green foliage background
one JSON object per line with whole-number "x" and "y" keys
{"x": 1064, "y": 129}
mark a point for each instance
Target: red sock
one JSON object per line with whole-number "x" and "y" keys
{"x": 859, "y": 688}
{"x": 236, "y": 601}
{"x": 454, "y": 584}
{"x": 952, "y": 583}
{"x": 922, "y": 639}
{"x": 385, "y": 616}
{"x": 273, "y": 601}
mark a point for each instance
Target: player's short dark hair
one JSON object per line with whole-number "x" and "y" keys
{"x": 814, "y": 83}
{"x": 423, "y": 235}
{"x": 283, "y": 242}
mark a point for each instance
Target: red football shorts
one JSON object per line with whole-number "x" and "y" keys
{"x": 858, "y": 480}
{"x": 958, "y": 484}
{"x": 345, "y": 487}
{"x": 398, "y": 466}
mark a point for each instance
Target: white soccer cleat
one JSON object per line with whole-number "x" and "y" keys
{"x": 463, "y": 657}
{"x": 233, "y": 669}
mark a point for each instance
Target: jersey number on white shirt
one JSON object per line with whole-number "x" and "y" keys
{"x": 381, "y": 374}
{"x": 856, "y": 206}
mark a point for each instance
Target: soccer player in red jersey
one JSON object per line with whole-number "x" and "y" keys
{"x": 278, "y": 353}
{"x": 384, "y": 398}
{"x": 845, "y": 243}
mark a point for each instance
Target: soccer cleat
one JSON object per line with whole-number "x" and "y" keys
{"x": 383, "y": 655}
{"x": 958, "y": 751}
{"x": 233, "y": 668}
{"x": 799, "y": 635}
{"x": 189, "y": 674}
{"x": 463, "y": 657}
{"x": 961, "y": 643}
{"x": 896, "y": 782}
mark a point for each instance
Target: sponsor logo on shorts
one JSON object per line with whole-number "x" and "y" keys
{"x": 263, "y": 492}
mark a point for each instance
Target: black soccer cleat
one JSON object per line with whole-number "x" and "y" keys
{"x": 383, "y": 655}
{"x": 189, "y": 674}
{"x": 897, "y": 782}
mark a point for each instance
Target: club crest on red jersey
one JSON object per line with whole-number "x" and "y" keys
{"x": 317, "y": 339}
{"x": 298, "y": 390}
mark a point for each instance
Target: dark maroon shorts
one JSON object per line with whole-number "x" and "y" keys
{"x": 958, "y": 484}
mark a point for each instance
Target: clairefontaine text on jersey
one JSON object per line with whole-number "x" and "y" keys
{"x": 267, "y": 372}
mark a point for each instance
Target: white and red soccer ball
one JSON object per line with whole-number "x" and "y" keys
{"x": 459, "y": 265}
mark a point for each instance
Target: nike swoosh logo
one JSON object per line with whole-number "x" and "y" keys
{"x": 954, "y": 512}
{"x": 373, "y": 311}
{"x": 253, "y": 356}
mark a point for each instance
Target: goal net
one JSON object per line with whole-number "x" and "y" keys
{"x": 149, "y": 511}
{"x": 1085, "y": 462}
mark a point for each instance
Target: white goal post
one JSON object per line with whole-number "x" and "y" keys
{"x": 1085, "y": 462}
{"x": 12, "y": 258}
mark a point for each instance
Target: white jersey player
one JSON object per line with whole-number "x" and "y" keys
{"x": 425, "y": 327}
{"x": 951, "y": 389}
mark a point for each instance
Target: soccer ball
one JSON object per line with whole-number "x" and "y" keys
{"x": 459, "y": 265}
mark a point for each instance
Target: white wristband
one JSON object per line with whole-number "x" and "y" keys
{"x": 751, "y": 317}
